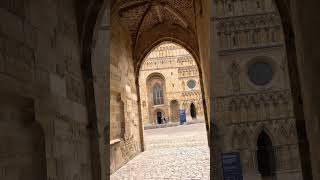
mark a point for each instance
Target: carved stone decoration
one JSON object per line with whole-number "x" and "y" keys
{"x": 234, "y": 73}
{"x": 236, "y": 144}
{"x": 129, "y": 147}
{"x": 183, "y": 85}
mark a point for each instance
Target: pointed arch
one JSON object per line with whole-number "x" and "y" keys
{"x": 283, "y": 134}
{"x": 193, "y": 111}
{"x": 265, "y": 155}
{"x": 263, "y": 128}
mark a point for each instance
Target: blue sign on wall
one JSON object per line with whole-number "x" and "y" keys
{"x": 182, "y": 114}
{"x": 232, "y": 166}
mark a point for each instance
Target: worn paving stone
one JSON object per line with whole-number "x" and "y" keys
{"x": 175, "y": 153}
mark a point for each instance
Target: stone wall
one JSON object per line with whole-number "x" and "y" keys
{"x": 100, "y": 62}
{"x": 40, "y": 60}
{"x": 124, "y": 118}
{"x": 202, "y": 17}
{"x": 302, "y": 42}
{"x": 173, "y": 66}
{"x": 250, "y": 32}
{"x": 23, "y": 142}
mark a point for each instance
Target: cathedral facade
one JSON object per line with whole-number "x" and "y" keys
{"x": 252, "y": 93}
{"x": 169, "y": 85}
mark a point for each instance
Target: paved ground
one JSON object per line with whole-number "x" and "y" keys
{"x": 174, "y": 153}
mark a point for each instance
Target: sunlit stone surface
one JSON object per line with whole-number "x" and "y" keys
{"x": 179, "y": 152}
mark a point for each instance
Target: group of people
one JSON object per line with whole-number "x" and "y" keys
{"x": 162, "y": 120}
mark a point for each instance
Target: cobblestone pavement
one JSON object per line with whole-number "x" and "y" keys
{"x": 174, "y": 153}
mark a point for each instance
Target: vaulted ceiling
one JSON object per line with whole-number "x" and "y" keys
{"x": 150, "y": 20}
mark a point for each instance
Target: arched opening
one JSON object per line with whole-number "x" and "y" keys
{"x": 118, "y": 127}
{"x": 155, "y": 96}
{"x": 43, "y": 38}
{"x": 174, "y": 107}
{"x": 159, "y": 117}
{"x": 265, "y": 156}
{"x": 193, "y": 111}
{"x": 142, "y": 27}
{"x": 169, "y": 82}
{"x": 254, "y": 40}
{"x": 169, "y": 73}
{"x": 22, "y": 147}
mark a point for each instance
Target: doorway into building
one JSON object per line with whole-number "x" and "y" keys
{"x": 193, "y": 111}
{"x": 265, "y": 156}
{"x": 159, "y": 117}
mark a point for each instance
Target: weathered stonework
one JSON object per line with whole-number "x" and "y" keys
{"x": 32, "y": 69}
{"x": 50, "y": 55}
{"x": 172, "y": 67}
{"x": 124, "y": 121}
{"x": 250, "y": 32}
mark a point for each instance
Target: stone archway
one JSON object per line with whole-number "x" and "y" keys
{"x": 193, "y": 111}
{"x": 196, "y": 56}
{"x": 213, "y": 123}
{"x": 156, "y": 95}
{"x": 95, "y": 64}
{"x": 298, "y": 20}
{"x": 265, "y": 156}
{"x": 158, "y": 115}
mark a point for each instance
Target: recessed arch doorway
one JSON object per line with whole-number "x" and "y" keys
{"x": 265, "y": 156}
{"x": 159, "y": 117}
{"x": 193, "y": 111}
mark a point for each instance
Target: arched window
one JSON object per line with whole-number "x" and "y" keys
{"x": 265, "y": 155}
{"x": 157, "y": 95}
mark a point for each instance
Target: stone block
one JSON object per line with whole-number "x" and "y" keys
{"x": 13, "y": 27}
{"x": 80, "y": 113}
{"x": 58, "y": 85}
{"x": 52, "y": 167}
{"x": 15, "y": 6}
{"x": 2, "y": 60}
{"x": 18, "y": 70}
{"x": 45, "y": 57}
{"x": 43, "y": 15}
{"x": 75, "y": 90}
{"x": 30, "y": 34}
